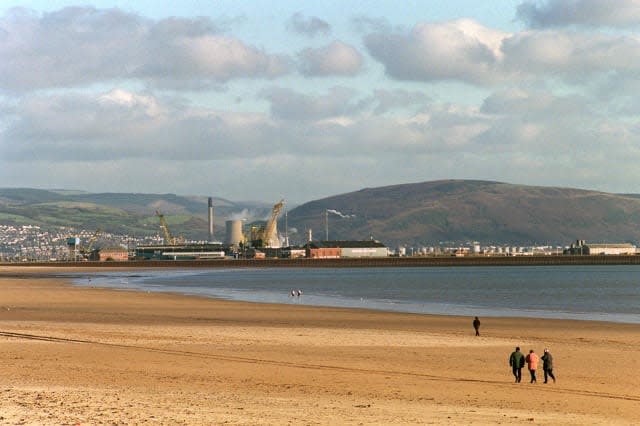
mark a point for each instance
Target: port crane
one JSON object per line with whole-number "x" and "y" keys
{"x": 168, "y": 238}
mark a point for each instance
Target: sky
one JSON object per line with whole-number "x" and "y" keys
{"x": 301, "y": 100}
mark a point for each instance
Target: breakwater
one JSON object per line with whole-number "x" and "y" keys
{"x": 433, "y": 261}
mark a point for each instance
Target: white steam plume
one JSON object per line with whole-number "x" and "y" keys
{"x": 345, "y": 216}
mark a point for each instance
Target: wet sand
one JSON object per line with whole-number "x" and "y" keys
{"x": 92, "y": 356}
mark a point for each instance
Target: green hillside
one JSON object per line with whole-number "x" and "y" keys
{"x": 133, "y": 214}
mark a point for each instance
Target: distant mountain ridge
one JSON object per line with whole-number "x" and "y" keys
{"x": 471, "y": 210}
{"x": 425, "y": 213}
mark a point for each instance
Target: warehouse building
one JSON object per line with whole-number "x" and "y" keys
{"x": 581, "y": 247}
{"x": 180, "y": 252}
{"x": 345, "y": 249}
{"x": 610, "y": 249}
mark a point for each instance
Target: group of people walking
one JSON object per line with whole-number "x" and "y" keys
{"x": 517, "y": 360}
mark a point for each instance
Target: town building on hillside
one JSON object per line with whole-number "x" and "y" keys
{"x": 345, "y": 249}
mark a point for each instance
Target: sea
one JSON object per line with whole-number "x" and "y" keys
{"x": 603, "y": 293}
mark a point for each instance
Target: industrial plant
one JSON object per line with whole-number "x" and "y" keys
{"x": 242, "y": 241}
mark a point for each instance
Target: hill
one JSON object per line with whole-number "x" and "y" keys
{"x": 426, "y": 213}
{"x": 122, "y": 213}
{"x": 464, "y": 210}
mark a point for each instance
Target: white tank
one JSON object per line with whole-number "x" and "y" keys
{"x": 234, "y": 234}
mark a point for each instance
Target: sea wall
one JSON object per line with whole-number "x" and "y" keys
{"x": 434, "y": 261}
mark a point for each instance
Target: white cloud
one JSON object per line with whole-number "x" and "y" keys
{"x": 459, "y": 50}
{"x": 287, "y": 104}
{"x": 82, "y": 46}
{"x": 558, "y": 13}
{"x": 571, "y": 56}
{"x": 335, "y": 59}
{"x": 83, "y": 93}
{"x": 311, "y": 26}
{"x": 466, "y": 52}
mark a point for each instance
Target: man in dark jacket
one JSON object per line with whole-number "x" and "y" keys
{"x": 516, "y": 361}
{"x": 476, "y": 325}
{"x": 547, "y": 365}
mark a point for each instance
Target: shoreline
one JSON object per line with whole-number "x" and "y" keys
{"x": 362, "y": 262}
{"x": 374, "y": 306}
{"x": 134, "y": 357}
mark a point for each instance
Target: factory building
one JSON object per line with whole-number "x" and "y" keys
{"x": 345, "y": 249}
{"x": 591, "y": 249}
{"x": 610, "y": 249}
{"x": 113, "y": 254}
{"x": 180, "y": 252}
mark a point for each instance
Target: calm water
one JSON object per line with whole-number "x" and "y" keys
{"x": 610, "y": 293}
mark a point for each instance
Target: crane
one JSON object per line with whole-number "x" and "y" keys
{"x": 85, "y": 251}
{"x": 270, "y": 231}
{"x": 168, "y": 238}
{"x": 267, "y": 236}
{"x": 93, "y": 239}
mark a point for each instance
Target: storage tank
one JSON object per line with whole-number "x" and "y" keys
{"x": 234, "y": 234}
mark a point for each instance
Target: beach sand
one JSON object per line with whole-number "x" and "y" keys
{"x": 74, "y": 355}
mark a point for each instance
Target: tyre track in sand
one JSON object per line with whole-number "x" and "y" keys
{"x": 307, "y": 366}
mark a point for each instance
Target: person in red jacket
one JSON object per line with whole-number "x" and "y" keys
{"x": 532, "y": 364}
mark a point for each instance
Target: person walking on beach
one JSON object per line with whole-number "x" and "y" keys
{"x": 547, "y": 365}
{"x": 476, "y": 325}
{"x": 532, "y": 363}
{"x": 516, "y": 361}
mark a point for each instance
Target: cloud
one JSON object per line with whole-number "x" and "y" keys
{"x": 466, "y": 52}
{"x": 311, "y": 26}
{"x": 570, "y": 56}
{"x": 559, "y": 13}
{"x": 287, "y": 104}
{"x": 335, "y": 59}
{"x": 458, "y": 50}
{"x": 542, "y": 105}
{"x": 83, "y": 45}
{"x": 121, "y": 139}
{"x": 385, "y": 101}
{"x": 124, "y": 125}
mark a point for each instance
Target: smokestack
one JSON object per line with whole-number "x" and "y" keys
{"x": 210, "y": 219}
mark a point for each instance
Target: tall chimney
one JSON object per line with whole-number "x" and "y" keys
{"x": 210, "y": 219}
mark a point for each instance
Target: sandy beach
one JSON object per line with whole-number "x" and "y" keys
{"x": 74, "y": 355}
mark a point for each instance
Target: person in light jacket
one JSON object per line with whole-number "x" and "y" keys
{"x": 532, "y": 363}
{"x": 547, "y": 365}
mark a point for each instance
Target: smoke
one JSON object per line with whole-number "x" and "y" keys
{"x": 250, "y": 215}
{"x": 344, "y": 216}
{"x": 246, "y": 215}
